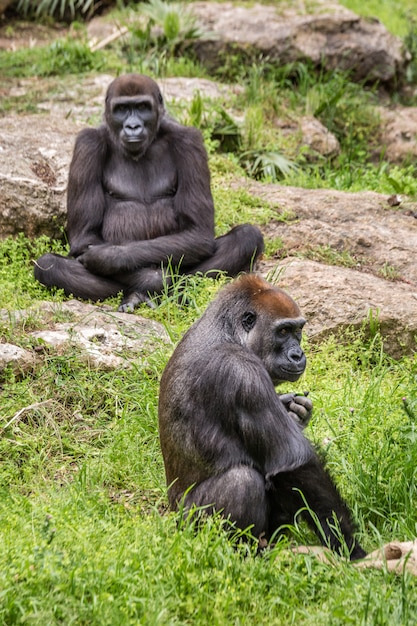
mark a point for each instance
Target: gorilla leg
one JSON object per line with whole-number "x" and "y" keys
{"x": 139, "y": 285}
{"x": 54, "y": 270}
{"x": 320, "y": 494}
{"x": 235, "y": 252}
{"x": 239, "y": 494}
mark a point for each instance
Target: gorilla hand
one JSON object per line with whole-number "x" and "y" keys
{"x": 300, "y": 408}
{"x": 104, "y": 260}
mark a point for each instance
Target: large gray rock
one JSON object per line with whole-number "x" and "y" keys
{"x": 34, "y": 153}
{"x": 377, "y": 237}
{"x": 333, "y": 299}
{"x": 377, "y": 241}
{"x": 106, "y": 339}
{"x": 328, "y": 35}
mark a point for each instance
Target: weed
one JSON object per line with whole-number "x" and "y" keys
{"x": 66, "y": 56}
{"x": 330, "y": 256}
{"x": 389, "y": 272}
{"x": 59, "y": 8}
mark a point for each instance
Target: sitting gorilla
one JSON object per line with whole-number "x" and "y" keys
{"x": 230, "y": 443}
{"x": 138, "y": 202}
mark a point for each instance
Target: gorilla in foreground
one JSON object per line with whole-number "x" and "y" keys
{"x": 139, "y": 202}
{"x": 230, "y": 443}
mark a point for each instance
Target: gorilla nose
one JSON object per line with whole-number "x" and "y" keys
{"x": 295, "y": 354}
{"x": 134, "y": 129}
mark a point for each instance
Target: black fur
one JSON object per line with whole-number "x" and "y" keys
{"x": 139, "y": 198}
{"x": 228, "y": 441}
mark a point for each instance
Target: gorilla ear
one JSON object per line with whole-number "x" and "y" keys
{"x": 248, "y": 320}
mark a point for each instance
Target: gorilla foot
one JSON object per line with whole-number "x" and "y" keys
{"x": 131, "y": 301}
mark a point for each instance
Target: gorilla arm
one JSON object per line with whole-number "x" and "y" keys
{"x": 85, "y": 199}
{"x": 229, "y": 417}
{"x": 266, "y": 422}
{"x": 193, "y": 208}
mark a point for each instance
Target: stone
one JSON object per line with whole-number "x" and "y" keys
{"x": 16, "y": 358}
{"x": 399, "y": 134}
{"x": 333, "y": 299}
{"x": 328, "y": 35}
{"x": 107, "y": 339}
{"x": 35, "y": 154}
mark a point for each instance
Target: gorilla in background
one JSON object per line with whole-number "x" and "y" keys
{"x": 138, "y": 201}
{"x": 230, "y": 443}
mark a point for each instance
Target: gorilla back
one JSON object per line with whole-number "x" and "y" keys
{"x": 228, "y": 441}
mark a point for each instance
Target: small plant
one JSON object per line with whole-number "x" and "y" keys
{"x": 173, "y": 21}
{"x": 389, "y": 272}
{"x": 274, "y": 249}
{"x": 63, "y": 56}
{"x": 226, "y": 132}
{"x": 327, "y": 254}
{"x": 402, "y": 180}
{"x": 63, "y": 9}
{"x": 266, "y": 165}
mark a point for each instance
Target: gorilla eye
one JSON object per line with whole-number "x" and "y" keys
{"x": 248, "y": 320}
{"x": 143, "y": 106}
{"x": 122, "y": 108}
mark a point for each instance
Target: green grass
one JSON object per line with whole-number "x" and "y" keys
{"x": 396, "y": 16}
{"x": 85, "y": 536}
{"x": 66, "y": 56}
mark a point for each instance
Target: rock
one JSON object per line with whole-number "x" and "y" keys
{"x": 107, "y": 339}
{"x": 15, "y": 358}
{"x": 329, "y": 36}
{"x": 318, "y": 138}
{"x": 34, "y": 161}
{"x": 335, "y": 298}
{"x": 178, "y": 88}
{"x": 360, "y": 230}
{"x": 399, "y": 134}
{"x": 312, "y": 135}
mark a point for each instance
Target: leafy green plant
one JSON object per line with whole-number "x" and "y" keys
{"x": 58, "y": 8}
{"x": 63, "y": 56}
{"x": 176, "y": 23}
{"x": 266, "y": 165}
{"x": 401, "y": 180}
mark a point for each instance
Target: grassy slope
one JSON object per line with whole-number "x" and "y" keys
{"x": 82, "y": 537}
{"x": 397, "y": 16}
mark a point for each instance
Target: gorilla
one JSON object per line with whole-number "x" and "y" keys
{"x": 138, "y": 203}
{"x": 230, "y": 443}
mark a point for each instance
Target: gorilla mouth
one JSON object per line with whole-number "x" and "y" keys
{"x": 293, "y": 370}
{"x": 290, "y": 374}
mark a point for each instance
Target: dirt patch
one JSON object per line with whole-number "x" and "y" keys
{"x": 16, "y": 34}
